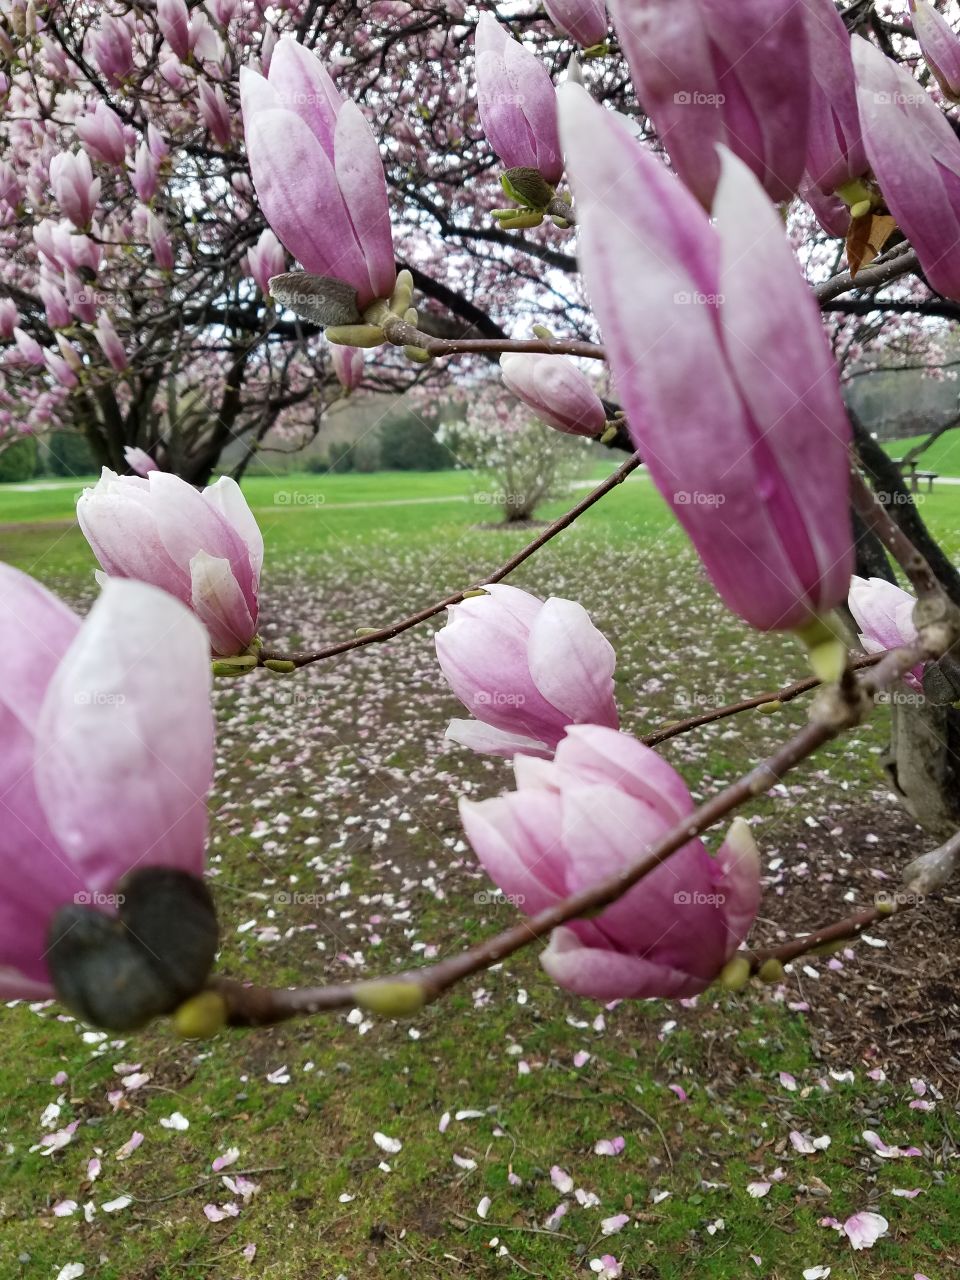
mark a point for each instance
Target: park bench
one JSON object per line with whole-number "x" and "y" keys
{"x": 913, "y": 475}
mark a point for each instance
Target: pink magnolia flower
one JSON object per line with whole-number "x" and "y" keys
{"x": 11, "y": 191}
{"x": 28, "y": 348}
{"x": 557, "y": 392}
{"x": 55, "y": 306}
{"x": 835, "y": 153}
{"x": 204, "y": 548}
{"x": 594, "y": 811}
{"x": 159, "y": 147}
{"x": 109, "y": 342}
{"x": 81, "y": 298}
{"x": 347, "y": 364}
{"x": 517, "y": 102}
{"x": 584, "y": 21}
{"x": 223, "y": 10}
{"x": 160, "y": 243}
{"x": 940, "y": 46}
{"x": 143, "y": 177}
{"x": 112, "y": 48}
{"x": 101, "y": 132}
{"x": 74, "y": 186}
{"x": 884, "y": 613}
{"x": 915, "y": 157}
{"x": 707, "y": 73}
{"x": 720, "y": 360}
{"x": 171, "y": 69}
{"x": 138, "y": 460}
{"x": 173, "y": 19}
{"x": 105, "y": 763}
{"x": 215, "y": 112}
{"x": 526, "y": 668}
{"x": 9, "y": 317}
{"x": 318, "y": 174}
{"x": 59, "y": 369}
{"x": 266, "y": 259}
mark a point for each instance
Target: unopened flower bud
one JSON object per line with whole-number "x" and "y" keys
{"x": 771, "y": 970}
{"x": 357, "y": 335}
{"x": 735, "y": 974}
{"x": 201, "y": 1017}
{"x": 826, "y": 650}
{"x": 397, "y": 999}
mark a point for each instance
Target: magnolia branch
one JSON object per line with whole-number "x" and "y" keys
{"x": 926, "y": 874}
{"x": 839, "y": 708}
{"x": 898, "y": 262}
{"x": 771, "y": 700}
{"x": 380, "y": 634}
{"x": 402, "y": 334}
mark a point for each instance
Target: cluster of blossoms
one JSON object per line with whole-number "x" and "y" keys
{"x": 730, "y": 393}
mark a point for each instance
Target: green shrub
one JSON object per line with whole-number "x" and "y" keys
{"x": 69, "y": 454}
{"x": 407, "y": 443}
{"x": 18, "y": 460}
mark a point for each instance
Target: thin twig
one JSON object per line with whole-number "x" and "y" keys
{"x": 840, "y": 931}
{"x": 898, "y": 262}
{"x": 402, "y": 334}
{"x": 397, "y": 628}
{"x": 786, "y": 694}
{"x": 249, "y": 1005}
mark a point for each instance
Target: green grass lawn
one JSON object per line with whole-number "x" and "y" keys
{"x": 943, "y": 456}
{"x": 337, "y": 783}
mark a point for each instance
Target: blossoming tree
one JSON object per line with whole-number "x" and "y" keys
{"x": 725, "y": 386}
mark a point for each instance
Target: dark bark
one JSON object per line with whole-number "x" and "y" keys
{"x": 888, "y": 483}
{"x": 872, "y": 559}
{"x": 923, "y": 763}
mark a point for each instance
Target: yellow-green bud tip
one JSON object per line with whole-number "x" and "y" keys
{"x": 521, "y": 221}
{"x": 356, "y": 335}
{"x": 771, "y": 971}
{"x": 418, "y": 355}
{"x": 237, "y": 666}
{"x": 201, "y": 1016}
{"x": 735, "y": 974}
{"x": 402, "y": 293}
{"x": 281, "y": 665}
{"x": 392, "y": 999}
{"x": 829, "y": 948}
{"x": 826, "y": 650}
{"x": 768, "y": 707}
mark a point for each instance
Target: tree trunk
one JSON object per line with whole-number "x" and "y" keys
{"x": 924, "y": 763}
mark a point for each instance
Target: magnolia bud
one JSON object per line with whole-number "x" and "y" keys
{"x": 238, "y": 666}
{"x": 402, "y": 294}
{"x": 356, "y": 335}
{"x": 735, "y": 974}
{"x": 201, "y": 1017}
{"x": 392, "y": 999}
{"x": 826, "y": 650}
{"x": 771, "y": 970}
